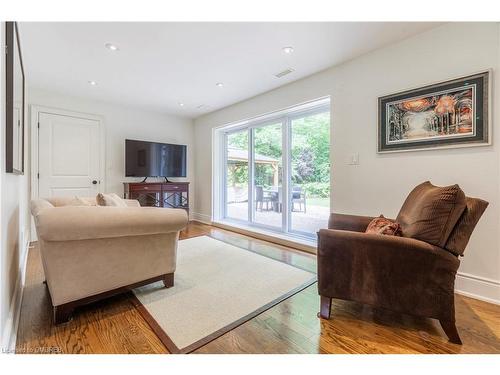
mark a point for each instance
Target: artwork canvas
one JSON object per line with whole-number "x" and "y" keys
{"x": 447, "y": 114}
{"x": 14, "y": 101}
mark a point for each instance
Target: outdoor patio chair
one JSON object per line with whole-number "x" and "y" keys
{"x": 298, "y": 197}
{"x": 261, "y": 198}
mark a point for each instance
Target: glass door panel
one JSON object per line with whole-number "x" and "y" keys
{"x": 309, "y": 186}
{"x": 268, "y": 175}
{"x": 236, "y": 181}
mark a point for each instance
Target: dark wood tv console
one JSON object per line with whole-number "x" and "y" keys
{"x": 159, "y": 194}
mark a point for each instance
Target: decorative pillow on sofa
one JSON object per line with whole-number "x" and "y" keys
{"x": 110, "y": 200}
{"x": 430, "y": 212}
{"x": 382, "y": 225}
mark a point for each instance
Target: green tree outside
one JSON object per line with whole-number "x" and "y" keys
{"x": 310, "y": 154}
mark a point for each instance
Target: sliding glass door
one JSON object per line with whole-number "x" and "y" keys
{"x": 267, "y": 178}
{"x": 236, "y": 175}
{"x": 277, "y": 172}
{"x": 310, "y": 172}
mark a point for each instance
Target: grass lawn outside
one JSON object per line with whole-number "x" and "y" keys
{"x": 321, "y": 202}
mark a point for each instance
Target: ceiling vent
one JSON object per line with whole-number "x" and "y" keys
{"x": 284, "y": 73}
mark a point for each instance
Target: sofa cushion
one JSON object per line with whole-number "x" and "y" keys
{"x": 77, "y": 201}
{"x": 430, "y": 212}
{"x": 382, "y": 225}
{"x": 110, "y": 200}
{"x": 460, "y": 235}
{"x": 65, "y": 201}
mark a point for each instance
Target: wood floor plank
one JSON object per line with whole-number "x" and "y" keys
{"x": 115, "y": 326}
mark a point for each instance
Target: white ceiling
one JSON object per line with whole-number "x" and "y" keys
{"x": 162, "y": 64}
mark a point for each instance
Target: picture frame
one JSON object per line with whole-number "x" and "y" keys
{"x": 449, "y": 114}
{"x": 15, "y": 101}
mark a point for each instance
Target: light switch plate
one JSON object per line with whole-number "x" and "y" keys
{"x": 354, "y": 159}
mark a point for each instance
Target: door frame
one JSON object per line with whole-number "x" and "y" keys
{"x": 285, "y": 117}
{"x": 35, "y": 110}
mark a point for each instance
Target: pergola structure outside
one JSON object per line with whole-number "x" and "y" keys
{"x": 237, "y": 157}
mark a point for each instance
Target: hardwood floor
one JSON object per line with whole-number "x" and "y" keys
{"x": 115, "y": 326}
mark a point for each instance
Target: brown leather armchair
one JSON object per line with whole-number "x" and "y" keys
{"x": 402, "y": 274}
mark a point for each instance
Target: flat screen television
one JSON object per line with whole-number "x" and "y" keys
{"x": 151, "y": 159}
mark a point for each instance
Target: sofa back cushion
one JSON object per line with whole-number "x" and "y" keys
{"x": 460, "y": 235}
{"x": 72, "y": 201}
{"x": 430, "y": 212}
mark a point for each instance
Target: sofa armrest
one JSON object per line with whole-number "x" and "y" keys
{"x": 80, "y": 223}
{"x": 352, "y": 223}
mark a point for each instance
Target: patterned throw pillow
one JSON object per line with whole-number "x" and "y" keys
{"x": 110, "y": 200}
{"x": 382, "y": 225}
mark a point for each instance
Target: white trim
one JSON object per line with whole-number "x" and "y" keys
{"x": 12, "y": 323}
{"x": 477, "y": 287}
{"x": 202, "y": 218}
{"x": 270, "y": 116}
{"x": 219, "y": 161}
{"x": 35, "y": 110}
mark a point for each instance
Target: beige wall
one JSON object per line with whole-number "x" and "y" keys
{"x": 14, "y": 224}
{"x": 120, "y": 123}
{"x": 380, "y": 183}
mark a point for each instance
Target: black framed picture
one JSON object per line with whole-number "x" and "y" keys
{"x": 448, "y": 114}
{"x": 14, "y": 98}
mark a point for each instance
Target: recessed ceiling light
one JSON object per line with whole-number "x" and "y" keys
{"x": 219, "y": 84}
{"x": 181, "y": 104}
{"x": 92, "y": 83}
{"x": 288, "y": 50}
{"x": 111, "y": 47}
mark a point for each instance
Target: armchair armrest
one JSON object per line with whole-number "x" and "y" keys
{"x": 353, "y": 223}
{"x": 81, "y": 223}
{"x": 408, "y": 248}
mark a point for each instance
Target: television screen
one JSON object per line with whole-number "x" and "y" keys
{"x": 151, "y": 159}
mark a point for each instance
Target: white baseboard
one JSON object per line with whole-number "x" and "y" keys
{"x": 481, "y": 288}
{"x": 305, "y": 245}
{"x": 12, "y": 323}
{"x": 202, "y": 218}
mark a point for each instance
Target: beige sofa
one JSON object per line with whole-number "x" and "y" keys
{"x": 92, "y": 252}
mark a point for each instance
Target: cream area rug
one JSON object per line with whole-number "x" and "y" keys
{"x": 217, "y": 287}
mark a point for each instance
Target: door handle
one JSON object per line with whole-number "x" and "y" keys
{"x": 94, "y": 182}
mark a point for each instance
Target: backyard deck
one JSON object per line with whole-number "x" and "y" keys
{"x": 315, "y": 217}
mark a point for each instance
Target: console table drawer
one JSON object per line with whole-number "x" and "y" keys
{"x": 167, "y": 188}
{"x": 148, "y": 187}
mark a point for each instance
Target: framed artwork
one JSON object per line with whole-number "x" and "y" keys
{"x": 443, "y": 115}
{"x": 14, "y": 101}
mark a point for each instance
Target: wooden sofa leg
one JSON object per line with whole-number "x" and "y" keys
{"x": 451, "y": 331}
{"x": 62, "y": 313}
{"x": 168, "y": 280}
{"x": 325, "y": 307}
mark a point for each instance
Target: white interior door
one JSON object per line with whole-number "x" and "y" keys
{"x": 68, "y": 156}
